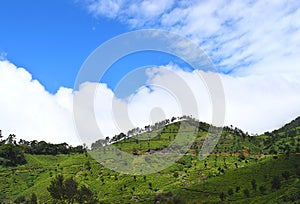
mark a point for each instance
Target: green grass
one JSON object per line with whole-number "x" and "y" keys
{"x": 189, "y": 180}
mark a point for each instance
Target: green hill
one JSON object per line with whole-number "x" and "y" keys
{"x": 241, "y": 169}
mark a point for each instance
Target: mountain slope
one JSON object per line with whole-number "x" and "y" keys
{"x": 241, "y": 169}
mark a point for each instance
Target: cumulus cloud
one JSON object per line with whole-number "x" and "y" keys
{"x": 255, "y": 45}
{"x": 255, "y": 104}
{"x": 30, "y": 112}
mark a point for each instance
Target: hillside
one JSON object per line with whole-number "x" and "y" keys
{"x": 241, "y": 169}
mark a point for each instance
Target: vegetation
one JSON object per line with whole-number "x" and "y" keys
{"x": 241, "y": 169}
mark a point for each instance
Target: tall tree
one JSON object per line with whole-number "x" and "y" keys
{"x": 56, "y": 188}
{"x": 70, "y": 189}
{"x": 85, "y": 195}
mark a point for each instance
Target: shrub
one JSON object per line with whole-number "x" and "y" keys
{"x": 246, "y": 193}
{"x": 230, "y": 191}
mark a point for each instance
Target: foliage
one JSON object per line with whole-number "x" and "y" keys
{"x": 190, "y": 180}
{"x": 67, "y": 191}
{"x": 276, "y": 183}
{"x": 11, "y": 155}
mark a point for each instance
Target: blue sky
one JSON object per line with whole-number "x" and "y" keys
{"x": 254, "y": 45}
{"x": 52, "y": 38}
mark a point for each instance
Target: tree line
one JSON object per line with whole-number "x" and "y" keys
{"x": 12, "y": 152}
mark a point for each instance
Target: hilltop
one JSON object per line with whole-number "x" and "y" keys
{"x": 241, "y": 168}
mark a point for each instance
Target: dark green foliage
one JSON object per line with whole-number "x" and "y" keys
{"x": 85, "y": 195}
{"x": 175, "y": 174}
{"x": 56, "y": 188}
{"x": 87, "y": 165}
{"x": 168, "y": 198}
{"x": 286, "y": 175}
{"x": 222, "y": 196}
{"x": 11, "y": 155}
{"x": 246, "y": 192}
{"x": 33, "y": 199}
{"x": 276, "y": 183}
{"x": 20, "y": 199}
{"x": 262, "y": 189}
{"x": 253, "y": 184}
{"x": 242, "y": 156}
{"x": 150, "y": 185}
{"x": 70, "y": 189}
{"x": 67, "y": 191}
{"x": 230, "y": 191}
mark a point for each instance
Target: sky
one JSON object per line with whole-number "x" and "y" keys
{"x": 254, "y": 46}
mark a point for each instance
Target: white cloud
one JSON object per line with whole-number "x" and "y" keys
{"x": 236, "y": 34}
{"x": 253, "y": 103}
{"x": 256, "y": 43}
{"x": 109, "y": 8}
{"x": 29, "y": 111}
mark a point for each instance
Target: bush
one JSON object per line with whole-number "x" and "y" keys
{"x": 246, "y": 193}
{"x": 222, "y": 196}
{"x": 286, "y": 175}
{"x": 230, "y": 191}
{"x": 262, "y": 189}
{"x": 176, "y": 174}
{"x": 275, "y": 183}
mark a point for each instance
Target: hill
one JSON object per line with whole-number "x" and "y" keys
{"x": 241, "y": 169}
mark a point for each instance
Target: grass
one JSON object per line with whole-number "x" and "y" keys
{"x": 189, "y": 180}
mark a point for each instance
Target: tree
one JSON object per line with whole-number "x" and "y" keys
{"x": 150, "y": 185}
{"x": 275, "y": 183}
{"x": 222, "y": 196}
{"x": 70, "y": 189}
{"x": 11, "y": 139}
{"x": 33, "y": 199}
{"x": 175, "y": 174}
{"x": 67, "y": 191}
{"x": 262, "y": 189}
{"x": 56, "y": 188}
{"x": 85, "y": 195}
{"x": 20, "y": 199}
{"x": 88, "y": 165}
{"x": 286, "y": 175}
{"x": 254, "y": 185}
{"x": 230, "y": 191}
{"x": 247, "y": 193}
{"x": 12, "y": 155}
{"x": 242, "y": 156}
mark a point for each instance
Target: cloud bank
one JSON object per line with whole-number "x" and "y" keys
{"x": 255, "y": 46}
{"x": 253, "y": 103}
